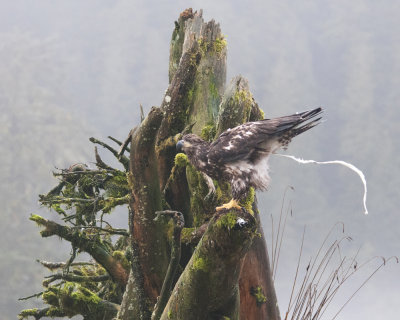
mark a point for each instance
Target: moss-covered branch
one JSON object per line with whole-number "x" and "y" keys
{"x": 192, "y": 236}
{"x": 121, "y": 158}
{"x": 208, "y": 288}
{"x": 165, "y": 293}
{"x": 40, "y": 313}
{"x": 176, "y": 191}
{"x": 74, "y": 278}
{"x": 175, "y": 105}
{"x": 93, "y": 246}
{"x": 149, "y": 260}
{"x": 73, "y": 299}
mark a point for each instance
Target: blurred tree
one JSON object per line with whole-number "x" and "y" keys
{"x": 178, "y": 259}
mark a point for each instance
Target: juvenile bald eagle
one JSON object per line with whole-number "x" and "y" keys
{"x": 240, "y": 155}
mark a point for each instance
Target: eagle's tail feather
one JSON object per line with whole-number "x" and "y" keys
{"x": 293, "y": 125}
{"x": 287, "y": 123}
{"x": 300, "y": 124}
{"x": 307, "y": 126}
{"x": 306, "y": 115}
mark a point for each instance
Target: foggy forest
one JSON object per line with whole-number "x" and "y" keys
{"x": 73, "y": 70}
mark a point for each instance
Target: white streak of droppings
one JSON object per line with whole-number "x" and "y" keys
{"x": 343, "y": 163}
{"x": 167, "y": 99}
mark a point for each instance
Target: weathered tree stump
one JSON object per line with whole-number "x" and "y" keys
{"x": 223, "y": 270}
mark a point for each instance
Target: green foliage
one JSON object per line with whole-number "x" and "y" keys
{"x": 258, "y": 294}
{"x": 81, "y": 199}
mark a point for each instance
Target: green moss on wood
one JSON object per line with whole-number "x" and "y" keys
{"x": 222, "y": 191}
{"x": 186, "y": 234}
{"x": 219, "y": 45}
{"x": 208, "y": 132}
{"x": 50, "y": 296}
{"x": 244, "y": 99}
{"x": 258, "y": 294}
{"x": 213, "y": 47}
{"x": 28, "y": 312}
{"x": 200, "y": 208}
{"x": 40, "y": 221}
{"x": 247, "y": 203}
{"x": 121, "y": 257}
{"x": 201, "y": 263}
{"x": 227, "y": 221}
{"x": 262, "y": 114}
{"x": 117, "y": 186}
{"x": 181, "y": 160}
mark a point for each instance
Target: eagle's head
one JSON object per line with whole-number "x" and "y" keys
{"x": 189, "y": 143}
{"x": 195, "y": 148}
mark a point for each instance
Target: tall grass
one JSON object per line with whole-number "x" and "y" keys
{"x": 315, "y": 287}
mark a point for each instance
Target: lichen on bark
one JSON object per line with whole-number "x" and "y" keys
{"x": 206, "y": 271}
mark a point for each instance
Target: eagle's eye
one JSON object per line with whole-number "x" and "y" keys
{"x": 179, "y": 145}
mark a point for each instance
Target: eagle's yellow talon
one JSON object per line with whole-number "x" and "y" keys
{"x": 231, "y": 204}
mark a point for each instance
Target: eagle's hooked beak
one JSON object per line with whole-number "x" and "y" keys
{"x": 179, "y": 145}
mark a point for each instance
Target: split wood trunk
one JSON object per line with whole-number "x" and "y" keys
{"x": 218, "y": 276}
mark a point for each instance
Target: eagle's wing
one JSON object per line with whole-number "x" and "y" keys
{"x": 253, "y": 140}
{"x": 237, "y": 143}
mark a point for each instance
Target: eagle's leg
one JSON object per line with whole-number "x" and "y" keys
{"x": 231, "y": 204}
{"x": 210, "y": 185}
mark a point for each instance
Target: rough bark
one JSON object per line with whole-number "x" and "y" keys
{"x": 149, "y": 236}
{"x": 211, "y": 74}
{"x": 197, "y": 79}
{"x": 224, "y": 269}
{"x": 257, "y": 291}
{"x": 165, "y": 293}
{"x": 208, "y": 287}
{"x": 238, "y": 106}
{"x": 175, "y": 106}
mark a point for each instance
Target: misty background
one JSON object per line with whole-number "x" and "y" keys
{"x": 75, "y": 69}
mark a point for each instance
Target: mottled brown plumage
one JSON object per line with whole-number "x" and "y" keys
{"x": 240, "y": 155}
